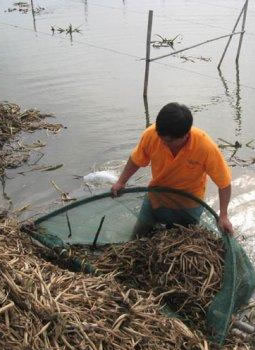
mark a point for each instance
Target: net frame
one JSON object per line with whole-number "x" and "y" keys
{"x": 158, "y": 189}
{"x": 221, "y": 309}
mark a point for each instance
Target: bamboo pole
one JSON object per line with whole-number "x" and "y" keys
{"x": 243, "y": 29}
{"x": 191, "y": 47}
{"x": 148, "y": 48}
{"x": 230, "y": 38}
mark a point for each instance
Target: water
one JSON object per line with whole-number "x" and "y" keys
{"x": 93, "y": 84}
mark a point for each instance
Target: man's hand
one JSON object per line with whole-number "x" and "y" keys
{"x": 116, "y": 188}
{"x": 128, "y": 171}
{"x": 225, "y": 225}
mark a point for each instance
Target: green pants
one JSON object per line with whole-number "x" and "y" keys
{"x": 167, "y": 216}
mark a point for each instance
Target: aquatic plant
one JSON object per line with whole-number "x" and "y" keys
{"x": 164, "y": 42}
{"x": 69, "y": 30}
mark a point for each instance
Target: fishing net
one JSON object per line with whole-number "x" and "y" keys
{"x": 102, "y": 221}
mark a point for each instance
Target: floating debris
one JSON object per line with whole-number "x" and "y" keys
{"x": 42, "y": 168}
{"x": 236, "y": 161}
{"x": 64, "y": 195}
{"x": 12, "y": 122}
{"x": 11, "y": 159}
{"x": 165, "y": 42}
{"x": 21, "y": 4}
{"x": 233, "y": 159}
{"x": 193, "y": 59}
{"x": 35, "y": 145}
{"x": 24, "y": 8}
{"x": 37, "y": 10}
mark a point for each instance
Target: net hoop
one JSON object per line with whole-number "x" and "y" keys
{"x": 122, "y": 192}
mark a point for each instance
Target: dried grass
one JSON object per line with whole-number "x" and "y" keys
{"x": 45, "y": 307}
{"x": 184, "y": 263}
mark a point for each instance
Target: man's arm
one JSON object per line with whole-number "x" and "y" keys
{"x": 128, "y": 171}
{"x": 224, "y": 197}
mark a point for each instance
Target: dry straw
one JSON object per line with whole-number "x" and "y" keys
{"x": 186, "y": 264}
{"x": 45, "y": 307}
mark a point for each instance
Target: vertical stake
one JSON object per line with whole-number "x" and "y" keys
{"x": 147, "y": 114}
{"x": 243, "y": 28}
{"x": 230, "y": 38}
{"x": 33, "y": 15}
{"x": 93, "y": 247}
{"x": 148, "y": 47}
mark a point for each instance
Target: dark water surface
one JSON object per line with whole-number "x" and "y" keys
{"x": 93, "y": 84}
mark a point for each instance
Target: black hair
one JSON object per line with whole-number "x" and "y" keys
{"x": 174, "y": 120}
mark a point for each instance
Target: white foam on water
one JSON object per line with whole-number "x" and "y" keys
{"x": 101, "y": 177}
{"x": 242, "y": 199}
{"x": 242, "y": 212}
{"x": 243, "y": 181}
{"x": 244, "y": 221}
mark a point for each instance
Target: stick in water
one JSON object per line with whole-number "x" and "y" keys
{"x": 93, "y": 247}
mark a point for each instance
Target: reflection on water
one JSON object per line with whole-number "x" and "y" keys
{"x": 86, "y": 10}
{"x": 7, "y": 200}
{"x": 234, "y": 98}
{"x": 238, "y": 102}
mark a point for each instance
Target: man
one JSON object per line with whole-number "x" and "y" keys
{"x": 181, "y": 157}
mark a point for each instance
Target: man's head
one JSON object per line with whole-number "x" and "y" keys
{"x": 173, "y": 123}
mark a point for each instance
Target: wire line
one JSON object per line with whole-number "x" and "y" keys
{"x": 166, "y": 17}
{"x": 128, "y": 55}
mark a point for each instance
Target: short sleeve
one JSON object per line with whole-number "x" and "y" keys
{"x": 140, "y": 154}
{"x": 217, "y": 168}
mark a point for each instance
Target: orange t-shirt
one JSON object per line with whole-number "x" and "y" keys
{"x": 188, "y": 171}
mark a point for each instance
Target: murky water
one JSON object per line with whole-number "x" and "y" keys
{"x": 93, "y": 83}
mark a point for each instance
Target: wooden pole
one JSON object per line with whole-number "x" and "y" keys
{"x": 191, "y": 47}
{"x": 243, "y": 29}
{"x": 148, "y": 49}
{"x": 33, "y": 15}
{"x": 146, "y": 108}
{"x": 230, "y": 38}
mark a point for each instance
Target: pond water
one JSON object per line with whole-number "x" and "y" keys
{"x": 92, "y": 82}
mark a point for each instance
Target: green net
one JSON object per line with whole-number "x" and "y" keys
{"x": 237, "y": 288}
{"x": 102, "y": 220}
{"x": 78, "y": 222}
